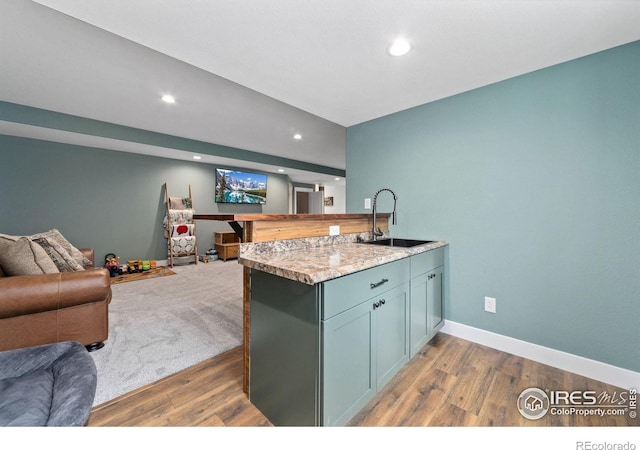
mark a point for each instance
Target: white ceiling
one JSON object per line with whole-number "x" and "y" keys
{"x": 327, "y": 58}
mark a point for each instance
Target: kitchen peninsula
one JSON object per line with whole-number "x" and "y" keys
{"x": 271, "y": 227}
{"x": 333, "y": 319}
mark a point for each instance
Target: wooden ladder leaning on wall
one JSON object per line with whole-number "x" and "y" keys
{"x": 180, "y": 228}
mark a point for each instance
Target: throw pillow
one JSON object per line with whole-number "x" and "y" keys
{"x": 66, "y": 245}
{"x": 9, "y": 237}
{"x": 24, "y": 257}
{"x": 63, "y": 261}
{"x": 179, "y": 203}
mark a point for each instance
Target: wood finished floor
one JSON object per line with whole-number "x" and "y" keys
{"x": 451, "y": 382}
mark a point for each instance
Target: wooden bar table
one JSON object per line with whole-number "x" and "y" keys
{"x": 272, "y": 227}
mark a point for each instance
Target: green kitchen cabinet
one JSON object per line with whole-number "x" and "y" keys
{"x": 349, "y": 358}
{"x": 284, "y": 350}
{"x": 435, "y": 300}
{"x": 319, "y": 353}
{"x": 363, "y": 348}
{"x": 426, "y": 312}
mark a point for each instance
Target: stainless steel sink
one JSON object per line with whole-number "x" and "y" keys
{"x": 397, "y": 242}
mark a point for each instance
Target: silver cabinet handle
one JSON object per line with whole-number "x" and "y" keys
{"x": 378, "y": 304}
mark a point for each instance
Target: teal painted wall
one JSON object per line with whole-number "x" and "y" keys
{"x": 535, "y": 182}
{"x": 108, "y": 200}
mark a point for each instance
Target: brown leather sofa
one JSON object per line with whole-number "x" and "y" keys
{"x": 56, "y": 307}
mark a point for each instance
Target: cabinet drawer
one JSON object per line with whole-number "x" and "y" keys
{"x": 424, "y": 262}
{"x": 346, "y": 292}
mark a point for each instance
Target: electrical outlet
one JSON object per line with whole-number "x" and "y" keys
{"x": 490, "y": 304}
{"x": 334, "y": 230}
{"x": 367, "y": 203}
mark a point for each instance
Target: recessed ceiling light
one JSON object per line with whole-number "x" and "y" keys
{"x": 337, "y": 179}
{"x": 197, "y": 157}
{"x": 168, "y": 98}
{"x": 280, "y": 170}
{"x": 399, "y": 47}
{"x": 297, "y": 136}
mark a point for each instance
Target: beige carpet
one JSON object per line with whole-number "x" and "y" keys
{"x": 160, "y": 326}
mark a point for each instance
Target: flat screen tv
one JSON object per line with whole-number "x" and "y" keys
{"x": 234, "y": 186}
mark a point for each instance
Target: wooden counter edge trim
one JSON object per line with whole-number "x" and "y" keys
{"x": 256, "y": 217}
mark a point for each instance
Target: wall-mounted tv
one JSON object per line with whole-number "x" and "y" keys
{"x": 234, "y": 186}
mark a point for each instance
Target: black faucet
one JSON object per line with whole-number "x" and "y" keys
{"x": 376, "y": 231}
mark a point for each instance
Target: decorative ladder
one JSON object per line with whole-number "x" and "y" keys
{"x": 180, "y": 228}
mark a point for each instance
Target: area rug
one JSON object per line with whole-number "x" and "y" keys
{"x": 160, "y": 326}
{"x": 151, "y": 273}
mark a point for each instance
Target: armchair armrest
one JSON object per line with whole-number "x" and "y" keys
{"x": 28, "y": 294}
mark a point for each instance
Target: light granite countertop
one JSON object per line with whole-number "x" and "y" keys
{"x": 314, "y": 260}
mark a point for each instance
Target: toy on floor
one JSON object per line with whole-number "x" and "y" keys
{"x": 112, "y": 264}
{"x": 135, "y": 265}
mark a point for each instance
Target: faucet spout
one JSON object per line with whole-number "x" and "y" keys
{"x": 376, "y": 231}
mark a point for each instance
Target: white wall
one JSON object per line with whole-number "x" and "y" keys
{"x": 338, "y": 192}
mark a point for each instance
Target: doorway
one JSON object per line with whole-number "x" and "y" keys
{"x": 308, "y": 201}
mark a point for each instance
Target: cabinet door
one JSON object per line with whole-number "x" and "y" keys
{"x": 418, "y": 325}
{"x": 391, "y": 326}
{"x": 434, "y": 301}
{"x": 348, "y": 362}
{"x": 426, "y": 308}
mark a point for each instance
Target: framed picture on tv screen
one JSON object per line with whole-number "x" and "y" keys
{"x": 234, "y": 186}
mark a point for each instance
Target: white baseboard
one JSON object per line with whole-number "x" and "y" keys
{"x": 615, "y": 376}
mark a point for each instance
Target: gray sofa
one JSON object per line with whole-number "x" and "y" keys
{"x": 47, "y": 385}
